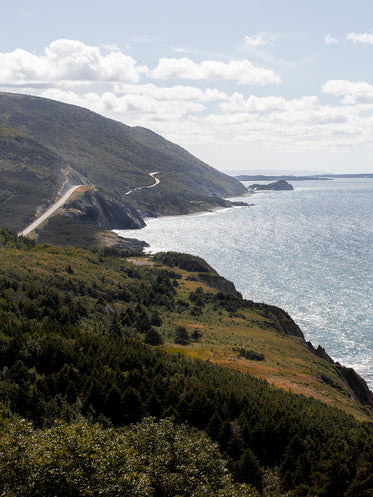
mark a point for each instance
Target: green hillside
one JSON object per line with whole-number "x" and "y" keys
{"x": 101, "y": 343}
{"x": 30, "y": 177}
{"x": 115, "y": 158}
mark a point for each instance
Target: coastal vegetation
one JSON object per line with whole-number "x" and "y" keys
{"x": 130, "y": 375}
{"x": 99, "y": 397}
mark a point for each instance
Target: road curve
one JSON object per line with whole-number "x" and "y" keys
{"x": 156, "y": 179}
{"x": 49, "y": 212}
{"x": 65, "y": 197}
{"x": 156, "y": 182}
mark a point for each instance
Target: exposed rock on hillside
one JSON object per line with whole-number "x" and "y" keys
{"x": 109, "y": 154}
{"x": 355, "y": 384}
{"x": 281, "y": 321}
{"x": 95, "y": 208}
{"x": 58, "y": 145}
{"x": 219, "y": 283}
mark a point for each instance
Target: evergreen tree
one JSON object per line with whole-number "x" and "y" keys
{"x": 181, "y": 336}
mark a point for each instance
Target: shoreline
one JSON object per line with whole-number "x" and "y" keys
{"x": 319, "y": 326}
{"x": 198, "y": 213}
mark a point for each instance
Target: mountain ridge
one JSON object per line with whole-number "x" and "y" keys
{"x": 113, "y": 157}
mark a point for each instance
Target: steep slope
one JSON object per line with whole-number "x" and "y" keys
{"x": 99, "y": 338}
{"x": 117, "y": 158}
{"x": 30, "y": 177}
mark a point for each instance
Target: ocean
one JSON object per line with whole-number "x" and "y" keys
{"x": 308, "y": 251}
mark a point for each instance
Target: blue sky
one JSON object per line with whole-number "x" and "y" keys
{"x": 243, "y": 85}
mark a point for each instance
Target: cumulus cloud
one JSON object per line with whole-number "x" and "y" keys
{"x": 70, "y": 60}
{"x": 354, "y": 93}
{"x": 189, "y": 115}
{"x": 330, "y": 40}
{"x": 122, "y": 106}
{"x": 241, "y": 71}
{"x": 178, "y": 92}
{"x": 110, "y": 82}
{"x": 237, "y": 103}
{"x": 257, "y": 40}
{"x": 291, "y": 123}
{"x": 363, "y": 38}
{"x": 67, "y": 60}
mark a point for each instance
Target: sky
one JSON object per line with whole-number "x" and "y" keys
{"x": 269, "y": 85}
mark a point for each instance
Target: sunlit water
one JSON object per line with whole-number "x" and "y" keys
{"x": 308, "y": 251}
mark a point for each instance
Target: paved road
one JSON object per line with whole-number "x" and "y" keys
{"x": 156, "y": 182}
{"x": 156, "y": 179}
{"x": 65, "y": 197}
{"x": 50, "y": 211}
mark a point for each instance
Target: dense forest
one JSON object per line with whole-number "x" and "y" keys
{"x": 99, "y": 397}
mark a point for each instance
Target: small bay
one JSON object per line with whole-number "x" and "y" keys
{"x": 308, "y": 251}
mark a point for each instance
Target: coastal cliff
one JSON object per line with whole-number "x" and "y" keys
{"x": 91, "y": 349}
{"x": 355, "y": 384}
{"x": 92, "y": 207}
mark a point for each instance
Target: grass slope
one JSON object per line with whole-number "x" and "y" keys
{"x": 97, "y": 337}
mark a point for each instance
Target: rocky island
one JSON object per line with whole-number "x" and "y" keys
{"x": 276, "y": 185}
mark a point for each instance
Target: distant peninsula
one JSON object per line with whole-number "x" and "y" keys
{"x": 316, "y": 177}
{"x": 277, "y": 186}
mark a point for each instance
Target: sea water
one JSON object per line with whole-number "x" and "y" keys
{"x": 308, "y": 251}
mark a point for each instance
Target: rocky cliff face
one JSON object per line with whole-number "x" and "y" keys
{"x": 219, "y": 283}
{"x": 94, "y": 208}
{"x": 72, "y": 178}
{"x": 355, "y": 384}
{"x": 281, "y": 321}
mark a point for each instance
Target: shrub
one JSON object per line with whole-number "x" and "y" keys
{"x": 80, "y": 460}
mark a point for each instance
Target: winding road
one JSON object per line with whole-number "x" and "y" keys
{"x": 156, "y": 182}
{"x": 64, "y": 199}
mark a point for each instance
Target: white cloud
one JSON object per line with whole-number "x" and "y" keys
{"x": 108, "y": 82}
{"x": 180, "y": 50}
{"x": 354, "y": 93}
{"x": 241, "y": 71}
{"x": 237, "y": 103}
{"x": 330, "y": 40}
{"x": 67, "y": 60}
{"x": 294, "y": 124}
{"x": 257, "y": 40}
{"x": 178, "y": 92}
{"x": 363, "y": 38}
{"x": 71, "y": 60}
{"x": 121, "y": 107}
{"x": 190, "y": 116}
